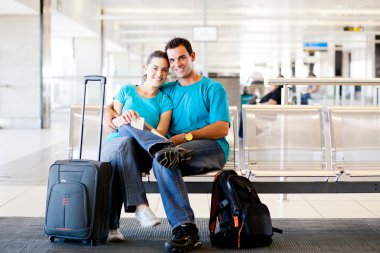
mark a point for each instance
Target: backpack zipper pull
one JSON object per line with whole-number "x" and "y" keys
{"x": 236, "y": 220}
{"x": 236, "y": 217}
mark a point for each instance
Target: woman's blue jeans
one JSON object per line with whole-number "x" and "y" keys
{"x": 126, "y": 183}
{"x": 129, "y": 157}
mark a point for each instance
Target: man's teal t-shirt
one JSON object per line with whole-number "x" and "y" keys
{"x": 196, "y": 106}
{"x": 148, "y": 108}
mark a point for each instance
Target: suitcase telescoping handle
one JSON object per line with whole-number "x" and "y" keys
{"x": 103, "y": 81}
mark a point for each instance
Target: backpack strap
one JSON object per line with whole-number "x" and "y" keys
{"x": 219, "y": 209}
{"x": 277, "y": 230}
{"x": 214, "y": 205}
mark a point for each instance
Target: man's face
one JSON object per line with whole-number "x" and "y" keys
{"x": 181, "y": 63}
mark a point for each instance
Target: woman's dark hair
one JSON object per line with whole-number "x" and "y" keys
{"x": 176, "y": 42}
{"x": 156, "y": 54}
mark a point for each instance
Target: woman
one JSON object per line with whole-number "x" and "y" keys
{"x": 127, "y": 157}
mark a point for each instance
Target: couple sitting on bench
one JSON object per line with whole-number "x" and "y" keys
{"x": 193, "y": 112}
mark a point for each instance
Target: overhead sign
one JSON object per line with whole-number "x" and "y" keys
{"x": 353, "y": 28}
{"x": 315, "y": 46}
{"x": 205, "y": 33}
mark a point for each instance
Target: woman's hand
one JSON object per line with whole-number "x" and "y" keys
{"x": 125, "y": 118}
{"x": 119, "y": 121}
{"x": 130, "y": 115}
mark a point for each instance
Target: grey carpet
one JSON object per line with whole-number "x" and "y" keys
{"x": 300, "y": 235}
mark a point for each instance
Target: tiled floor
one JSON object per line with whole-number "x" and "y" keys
{"x": 26, "y": 156}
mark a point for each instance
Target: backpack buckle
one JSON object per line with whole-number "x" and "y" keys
{"x": 223, "y": 204}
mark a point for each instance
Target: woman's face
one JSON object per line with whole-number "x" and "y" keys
{"x": 157, "y": 71}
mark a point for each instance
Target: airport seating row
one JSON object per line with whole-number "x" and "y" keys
{"x": 286, "y": 148}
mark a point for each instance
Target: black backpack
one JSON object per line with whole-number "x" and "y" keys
{"x": 244, "y": 222}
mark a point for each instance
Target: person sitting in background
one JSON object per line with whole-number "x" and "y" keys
{"x": 246, "y": 97}
{"x": 311, "y": 89}
{"x": 273, "y": 97}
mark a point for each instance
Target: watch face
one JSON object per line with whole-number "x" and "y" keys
{"x": 188, "y": 136}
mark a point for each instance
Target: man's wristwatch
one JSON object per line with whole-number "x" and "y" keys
{"x": 188, "y": 136}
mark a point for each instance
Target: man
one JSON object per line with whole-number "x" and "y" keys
{"x": 200, "y": 122}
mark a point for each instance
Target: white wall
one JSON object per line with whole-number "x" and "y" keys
{"x": 81, "y": 11}
{"x": 35, "y": 5}
{"x": 358, "y": 65}
{"x": 20, "y": 71}
{"x": 87, "y": 56}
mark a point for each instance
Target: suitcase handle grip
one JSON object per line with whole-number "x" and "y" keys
{"x": 101, "y": 79}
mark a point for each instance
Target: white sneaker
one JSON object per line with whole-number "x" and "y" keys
{"x": 114, "y": 235}
{"x": 147, "y": 218}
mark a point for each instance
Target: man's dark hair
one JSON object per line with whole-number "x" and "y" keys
{"x": 176, "y": 42}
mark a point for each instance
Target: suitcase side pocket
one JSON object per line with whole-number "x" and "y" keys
{"x": 67, "y": 213}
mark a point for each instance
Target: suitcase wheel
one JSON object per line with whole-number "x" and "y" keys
{"x": 91, "y": 242}
{"x": 51, "y": 238}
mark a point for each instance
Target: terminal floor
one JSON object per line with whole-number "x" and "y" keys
{"x": 300, "y": 235}
{"x": 25, "y": 157}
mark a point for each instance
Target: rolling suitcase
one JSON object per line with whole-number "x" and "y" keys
{"x": 78, "y": 190}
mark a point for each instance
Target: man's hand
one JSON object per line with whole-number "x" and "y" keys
{"x": 109, "y": 115}
{"x": 178, "y": 139}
